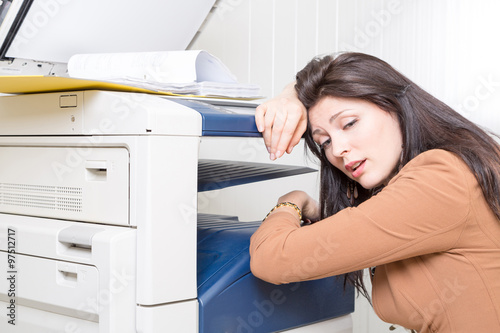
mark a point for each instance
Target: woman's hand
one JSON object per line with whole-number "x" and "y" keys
{"x": 282, "y": 121}
{"x": 308, "y": 206}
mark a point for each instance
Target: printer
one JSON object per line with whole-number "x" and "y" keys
{"x": 101, "y": 229}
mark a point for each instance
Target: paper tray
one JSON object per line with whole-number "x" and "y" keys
{"x": 233, "y": 300}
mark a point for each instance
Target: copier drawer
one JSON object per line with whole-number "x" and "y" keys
{"x": 76, "y": 183}
{"x": 55, "y": 293}
{"x": 64, "y": 276}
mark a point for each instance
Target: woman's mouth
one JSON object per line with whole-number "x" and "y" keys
{"x": 356, "y": 168}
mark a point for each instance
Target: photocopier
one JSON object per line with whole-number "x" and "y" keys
{"x": 100, "y": 224}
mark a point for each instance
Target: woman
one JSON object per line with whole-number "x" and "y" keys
{"x": 409, "y": 189}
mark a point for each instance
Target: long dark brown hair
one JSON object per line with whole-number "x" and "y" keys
{"x": 426, "y": 123}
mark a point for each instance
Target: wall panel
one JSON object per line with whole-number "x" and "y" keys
{"x": 285, "y": 43}
{"x": 327, "y": 26}
{"x": 262, "y": 44}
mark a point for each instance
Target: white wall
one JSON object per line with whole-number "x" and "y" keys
{"x": 449, "y": 47}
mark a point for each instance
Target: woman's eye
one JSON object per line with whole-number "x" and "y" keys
{"x": 350, "y": 124}
{"x": 325, "y": 144}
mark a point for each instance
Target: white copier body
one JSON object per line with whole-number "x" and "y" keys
{"x": 98, "y": 190}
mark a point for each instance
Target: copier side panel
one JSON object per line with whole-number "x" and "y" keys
{"x": 166, "y": 183}
{"x": 82, "y": 183}
{"x": 163, "y": 206}
{"x": 76, "y": 276}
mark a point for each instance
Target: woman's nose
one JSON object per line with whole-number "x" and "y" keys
{"x": 339, "y": 147}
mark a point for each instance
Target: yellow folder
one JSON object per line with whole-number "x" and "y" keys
{"x": 25, "y": 84}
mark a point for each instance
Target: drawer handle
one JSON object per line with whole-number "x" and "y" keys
{"x": 78, "y": 236}
{"x": 96, "y": 170}
{"x": 67, "y": 274}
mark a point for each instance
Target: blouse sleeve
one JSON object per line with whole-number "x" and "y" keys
{"x": 422, "y": 210}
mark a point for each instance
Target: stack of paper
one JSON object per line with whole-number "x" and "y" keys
{"x": 177, "y": 72}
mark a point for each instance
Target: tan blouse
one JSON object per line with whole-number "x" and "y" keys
{"x": 433, "y": 238}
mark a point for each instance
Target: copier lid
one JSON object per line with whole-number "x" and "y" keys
{"x": 54, "y": 30}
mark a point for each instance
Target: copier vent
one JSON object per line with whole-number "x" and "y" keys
{"x": 41, "y": 196}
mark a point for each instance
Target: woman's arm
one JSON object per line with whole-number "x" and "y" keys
{"x": 423, "y": 210}
{"x": 282, "y": 120}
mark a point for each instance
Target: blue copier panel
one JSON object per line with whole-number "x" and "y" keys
{"x": 218, "y": 120}
{"x": 233, "y": 300}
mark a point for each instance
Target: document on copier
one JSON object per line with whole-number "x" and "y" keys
{"x": 193, "y": 72}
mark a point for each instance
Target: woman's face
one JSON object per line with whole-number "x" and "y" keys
{"x": 358, "y": 138}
